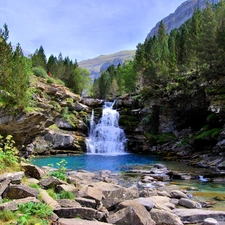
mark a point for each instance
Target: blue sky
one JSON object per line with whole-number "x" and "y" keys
{"x": 82, "y": 29}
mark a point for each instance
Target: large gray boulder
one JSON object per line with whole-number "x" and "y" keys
{"x": 198, "y": 215}
{"x": 85, "y": 202}
{"x": 114, "y": 194}
{"x": 82, "y": 212}
{"x": 188, "y": 203}
{"x": 50, "y": 182}
{"x": 32, "y": 170}
{"x": 75, "y": 221}
{"x": 178, "y": 194}
{"x": 130, "y": 212}
{"x": 92, "y": 192}
{"x": 146, "y": 202}
{"x": 79, "y": 178}
{"x": 165, "y": 217}
{"x": 20, "y": 191}
{"x": 210, "y": 221}
{"x": 14, "y": 177}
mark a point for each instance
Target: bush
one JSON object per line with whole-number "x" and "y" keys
{"x": 61, "y": 172}
{"x": 34, "y": 213}
{"x": 65, "y": 195}
{"x": 40, "y": 72}
{"x": 9, "y": 160}
{"x": 6, "y": 215}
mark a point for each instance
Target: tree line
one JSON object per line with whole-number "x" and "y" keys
{"x": 16, "y": 69}
{"x": 64, "y": 69}
{"x": 164, "y": 60}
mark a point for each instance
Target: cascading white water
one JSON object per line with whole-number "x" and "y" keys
{"x": 106, "y": 137}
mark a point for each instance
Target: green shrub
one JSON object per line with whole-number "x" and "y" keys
{"x": 61, "y": 172}
{"x": 34, "y": 213}
{"x": 65, "y": 195}
{"x": 9, "y": 160}
{"x": 7, "y": 215}
{"x": 52, "y": 193}
{"x": 209, "y": 134}
{"x": 160, "y": 138}
{"x": 40, "y": 72}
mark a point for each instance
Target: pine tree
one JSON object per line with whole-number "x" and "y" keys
{"x": 163, "y": 67}
{"x": 208, "y": 45}
{"x": 220, "y": 36}
{"x": 172, "y": 51}
{"x": 39, "y": 58}
{"x": 52, "y": 65}
{"x": 5, "y": 58}
{"x": 193, "y": 40}
{"x": 19, "y": 81}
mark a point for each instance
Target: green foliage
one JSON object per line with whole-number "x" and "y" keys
{"x": 40, "y": 72}
{"x": 65, "y": 195}
{"x": 208, "y": 134}
{"x": 116, "y": 81}
{"x": 39, "y": 58}
{"x": 60, "y": 173}
{"x": 33, "y": 185}
{"x": 71, "y": 118}
{"x": 7, "y": 215}
{"x": 9, "y": 160}
{"x": 160, "y": 138}
{"x": 197, "y": 48}
{"x": 52, "y": 193}
{"x": 15, "y": 70}
{"x": 34, "y": 213}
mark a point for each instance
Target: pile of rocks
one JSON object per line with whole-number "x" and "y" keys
{"x": 100, "y": 200}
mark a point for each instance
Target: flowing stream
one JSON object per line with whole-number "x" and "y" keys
{"x": 106, "y": 137}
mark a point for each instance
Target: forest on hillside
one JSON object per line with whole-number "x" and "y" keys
{"x": 187, "y": 56}
{"x": 16, "y": 70}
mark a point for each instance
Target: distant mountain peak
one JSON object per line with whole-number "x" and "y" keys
{"x": 101, "y": 63}
{"x": 181, "y": 15}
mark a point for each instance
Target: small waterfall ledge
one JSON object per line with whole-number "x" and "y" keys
{"x": 106, "y": 137}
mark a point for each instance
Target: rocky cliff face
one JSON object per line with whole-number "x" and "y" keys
{"x": 57, "y": 123}
{"x": 181, "y": 14}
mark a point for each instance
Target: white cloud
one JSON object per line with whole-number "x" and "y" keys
{"x": 82, "y": 29}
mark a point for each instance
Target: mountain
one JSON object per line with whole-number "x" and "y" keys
{"x": 96, "y": 65}
{"x": 181, "y": 14}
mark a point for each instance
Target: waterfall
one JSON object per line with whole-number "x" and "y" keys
{"x": 106, "y": 137}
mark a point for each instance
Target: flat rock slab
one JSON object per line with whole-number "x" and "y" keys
{"x": 79, "y": 222}
{"x": 198, "y": 215}
{"x": 20, "y": 191}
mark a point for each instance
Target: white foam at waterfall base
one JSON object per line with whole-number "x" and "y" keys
{"x": 106, "y": 137}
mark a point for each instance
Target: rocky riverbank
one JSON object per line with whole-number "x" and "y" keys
{"x": 178, "y": 125}
{"x": 100, "y": 198}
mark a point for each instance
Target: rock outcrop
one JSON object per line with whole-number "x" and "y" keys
{"x": 58, "y": 121}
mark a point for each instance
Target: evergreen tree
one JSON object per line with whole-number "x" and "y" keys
{"x": 182, "y": 53}
{"x": 39, "y": 58}
{"x": 19, "y": 82}
{"x": 5, "y": 58}
{"x": 208, "y": 45}
{"x": 52, "y": 65}
{"x": 220, "y": 36}
{"x": 172, "y": 52}
{"x": 193, "y": 40}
